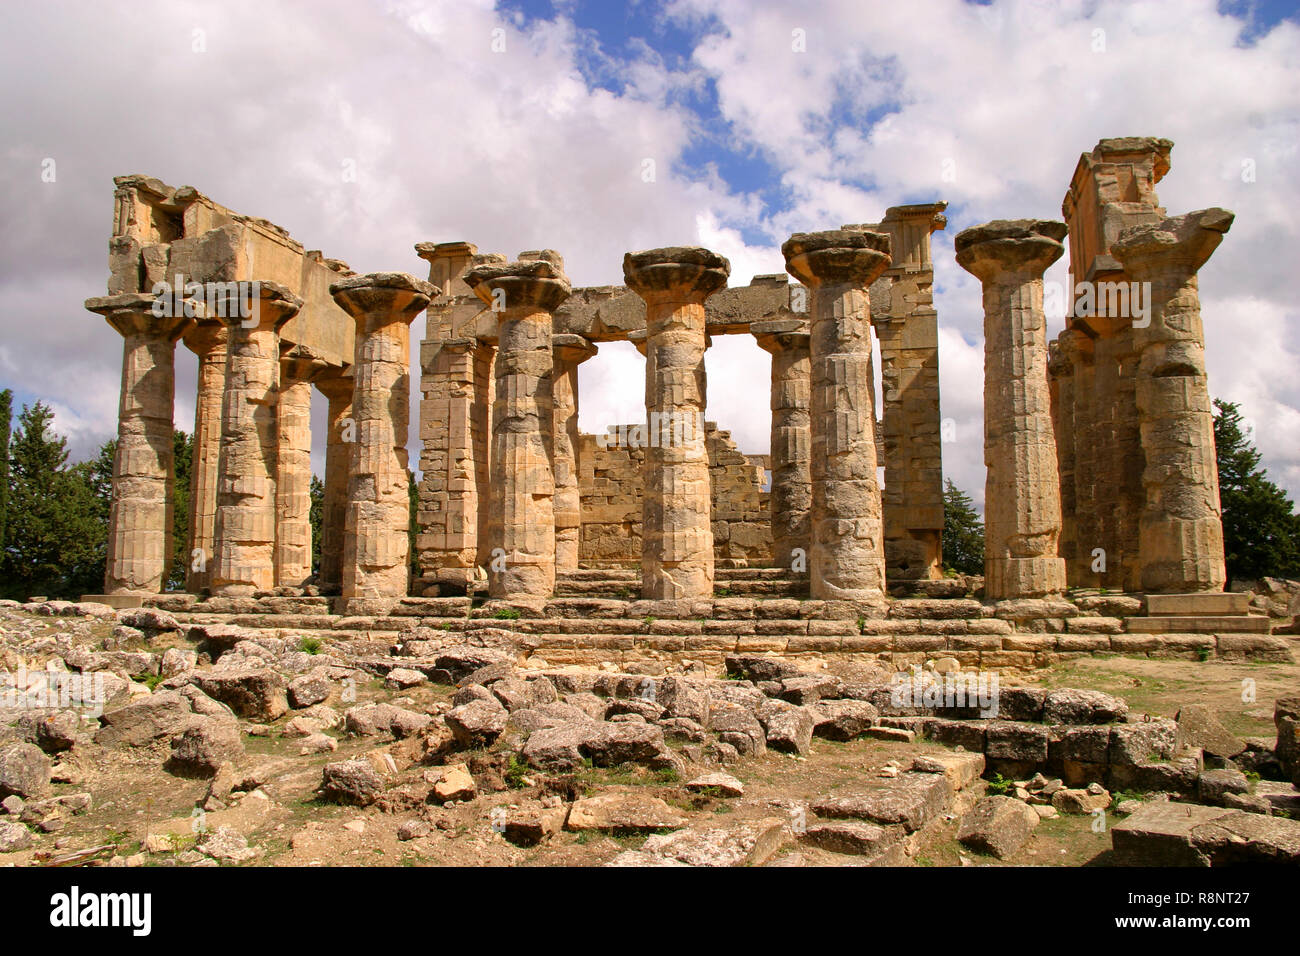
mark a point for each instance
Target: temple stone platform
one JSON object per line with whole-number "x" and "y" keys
{"x": 596, "y": 618}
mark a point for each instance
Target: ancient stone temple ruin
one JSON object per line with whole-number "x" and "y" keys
{"x": 1099, "y": 445}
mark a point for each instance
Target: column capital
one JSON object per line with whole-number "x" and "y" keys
{"x": 273, "y": 305}
{"x": 837, "y": 256}
{"x": 396, "y": 296}
{"x": 140, "y": 313}
{"x": 1012, "y": 247}
{"x": 777, "y": 335}
{"x": 300, "y": 363}
{"x": 675, "y": 273}
{"x": 204, "y": 335}
{"x": 535, "y": 279}
{"x": 1178, "y": 243}
{"x": 336, "y": 384}
{"x": 572, "y": 349}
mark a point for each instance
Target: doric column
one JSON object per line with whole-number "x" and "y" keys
{"x": 337, "y": 388}
{"x": 570, "y": 351}
{"x": 848, "y": 556}
{"x": 376, "y": 546}
{"x": 206, "y": 339}
{"x": 1181, "y": 529}
{"x": 791, "y": 454}
{"x": 293, "y": 545}
{"x": 244, "y": 550}
{"x": 1022, "y": 496}
{"x": 140, "y": 515}
{"x": 676, "y": 528}
{"x": 523, "y": 294}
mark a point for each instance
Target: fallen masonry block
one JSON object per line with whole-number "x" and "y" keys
{"x": 750, "y": 844}
{"x": 911, "y": 799}
{"x": 857, "y": 839}
{"x": 1189, "y": 834}
{"x": 998, "y": 825}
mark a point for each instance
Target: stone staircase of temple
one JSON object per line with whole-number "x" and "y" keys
{"x": 595, "y": 628}
{"x": 625, "y": 583}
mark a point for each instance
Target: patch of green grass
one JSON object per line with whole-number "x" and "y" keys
{"x": 310, "y": 645}
{"x": 515, "y": 773}
{"x": 506, "y": 614}
{"x": 153, "y": 680}
{"x": 999, "y": 785}
{"x": 668, "y": 775}
{"x": 647, "y": 620}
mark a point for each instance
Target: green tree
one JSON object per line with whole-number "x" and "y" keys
{"x": 963, "y": 532}
{"x": 1261, "y": 531}
{"x": 317, "y": 514}
{"x": 57, "y": 528}
{"x": 6, "y": 422}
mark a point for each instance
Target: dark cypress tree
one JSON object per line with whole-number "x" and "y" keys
{"x": 6, "y": 422}
{"x": 56, "y": 530}
{"x": 963, "y": 532}
{"x": 1261, "y": 531}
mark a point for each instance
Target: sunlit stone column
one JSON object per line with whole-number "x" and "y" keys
{"x": 293, "y": 544}
{"x": 847, "y": 537}
{"x": 1181, "y": 530}
{"x": 677, "y": 507}
{"x": 207, "y": 339}
{"x": 341, "y": 439}
{"x": 140, "y": 515}
{"x": 570, "y": 351}
{"x": 791, "y": 497}
{"x": 244, "y": 555}
{"x": 1022, "y": 498}
{"x": 376, "y": 552}
{"x": 522, "y": 517}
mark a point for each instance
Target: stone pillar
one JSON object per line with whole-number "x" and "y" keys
{"x": 1022, "y": 496}
{"x": 570, "y": 351}
{"x": 206, "y": 339}
{"x": 376, "y": 546}
{"x": 677, "y": 542}
{"x": 1181, "y": 529}
{"x": 140, "y": 515}
{"x": 1079, "y": 347}
{"x": 906, "y": 325}
{"x": 293, "y": 544}
{"x": 848, "y": 556}
{"x": 244, "y": 551}
{"x": 337, "y": 389}
{"x": 791, "y": 495}
{"x": 523, "y": 294}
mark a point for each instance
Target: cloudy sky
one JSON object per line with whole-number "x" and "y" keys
{"x": 524, "y": 124}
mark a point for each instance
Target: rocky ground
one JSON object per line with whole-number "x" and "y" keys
{"x": 220, "y": 746}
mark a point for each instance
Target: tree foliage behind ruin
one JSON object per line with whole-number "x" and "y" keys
{"x": 963, "y": 532}
{"x": 1261, "y": 531}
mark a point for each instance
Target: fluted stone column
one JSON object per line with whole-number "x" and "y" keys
{"x": 206, "y": 339}
{"x": 293, "y": 544}
{"x": 341, "y": 439}
{"x": 1061, "y": 361}
{"x": 1181, "y": 528}
{"x": 522, "y": 517}
{"x": 140, "y": 515}
{"x": 570, "y": 351}
{"x": 848, "y": 555}
{"x": 791, "y": 449}
{"x": 1022, "y": 497}
{"x": 677, "y": 507}
{"x": 244, "y": 552}
{"x": 376, "y": 546}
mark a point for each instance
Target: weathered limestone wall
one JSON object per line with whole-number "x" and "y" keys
{"x": 161, "y": 231}
{"x": 1113, "y": 187}
{"x": 907, "y": 327}
{"x": 611, "y": 488}
{"x": 1132, "y": 410}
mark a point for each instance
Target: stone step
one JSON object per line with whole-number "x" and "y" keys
{"x": 1170, "y": 624}
{"x": 1189, "y": 834}
{"x": 1196, "y": 605}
